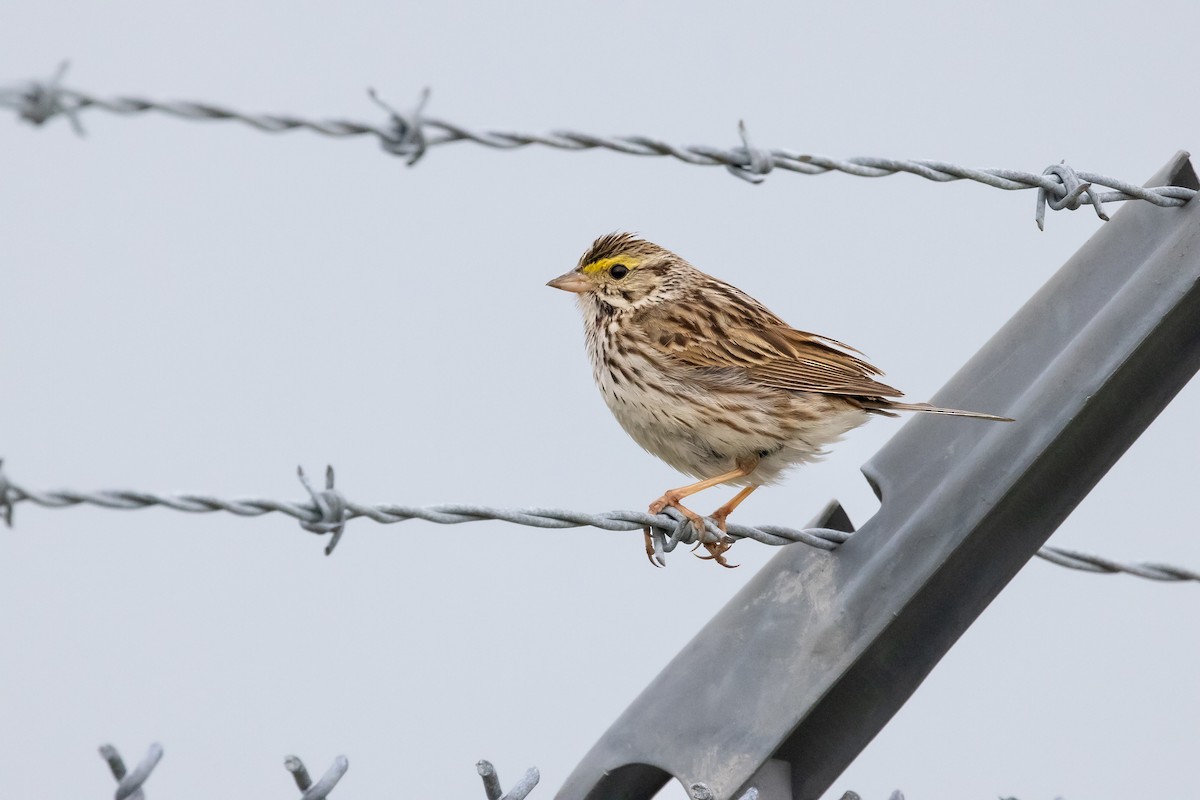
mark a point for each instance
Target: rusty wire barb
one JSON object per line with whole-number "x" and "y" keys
{"x": 329, "y": 510}
{"x": 129, "y": 785}
{"x": 409, "y": 135}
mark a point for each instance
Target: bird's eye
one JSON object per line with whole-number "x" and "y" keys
{"x": 619, "y": 271}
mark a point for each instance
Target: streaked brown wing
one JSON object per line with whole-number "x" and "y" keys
{"x": 751, "y": 338}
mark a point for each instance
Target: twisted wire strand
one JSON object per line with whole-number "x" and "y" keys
{"x": 328, "y": 511}
{"x": 411, "y": 134}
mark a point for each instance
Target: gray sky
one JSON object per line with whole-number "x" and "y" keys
{"x": 201, "y": 307}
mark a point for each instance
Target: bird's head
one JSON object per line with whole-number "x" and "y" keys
{"x": 625, "y": 272}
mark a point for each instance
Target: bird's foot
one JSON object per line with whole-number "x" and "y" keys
{"x": 716, "y": 550}
{"x": 671, "y": 500}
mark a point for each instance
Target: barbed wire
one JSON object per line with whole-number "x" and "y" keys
{"x": 328, "y": 511}
{"x": 410, "y": 135}
{"x": 130, "y": 785}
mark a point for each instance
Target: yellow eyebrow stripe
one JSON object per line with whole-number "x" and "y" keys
{"x": 606, "y": 263}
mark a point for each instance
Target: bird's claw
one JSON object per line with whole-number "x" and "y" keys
{"x": 716, "y": 552}
{"x": 654, "y": 557}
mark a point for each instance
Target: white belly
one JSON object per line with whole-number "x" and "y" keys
{"x": 703, "y": 431}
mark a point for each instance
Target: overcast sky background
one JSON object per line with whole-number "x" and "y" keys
{"x": 201, "y": 307}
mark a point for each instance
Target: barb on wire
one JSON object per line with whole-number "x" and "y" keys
{"x": 129, "y": 785}
{"x": 408, "y": 132}
{"x": 41, "y": 101}
{"x": 321, "y": 789}
{"x": 1077, "y": 192}
{"x": 491, "y": 782}
{"x": 331, "y": 509}
{"x": 409, "y": 136}
{"x": 758, "y": 162}
{"x": 328, "y": 511}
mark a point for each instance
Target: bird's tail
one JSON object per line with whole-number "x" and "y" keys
{"x": 887, "y": 406}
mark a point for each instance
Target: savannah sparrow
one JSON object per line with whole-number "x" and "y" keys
{"x": 706, "y": 378}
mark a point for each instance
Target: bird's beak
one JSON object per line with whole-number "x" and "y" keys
{"x": 571, "y": 282}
